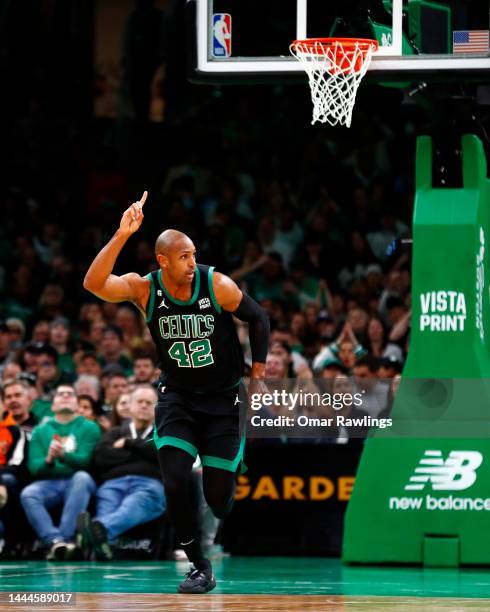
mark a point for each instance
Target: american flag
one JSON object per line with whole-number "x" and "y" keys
{"x": 470, "y": 41}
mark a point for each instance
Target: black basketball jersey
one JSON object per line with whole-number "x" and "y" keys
{"x": 196, "y": 340}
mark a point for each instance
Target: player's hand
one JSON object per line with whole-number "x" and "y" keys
{"x": 133, "y": 216}
{"x": 119, "y": 443}
{"x": 256, "y": 384}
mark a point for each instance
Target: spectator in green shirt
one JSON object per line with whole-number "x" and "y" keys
{"x": 60, "y": 452}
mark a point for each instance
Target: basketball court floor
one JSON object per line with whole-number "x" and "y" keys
{"x": 250, "y": 583}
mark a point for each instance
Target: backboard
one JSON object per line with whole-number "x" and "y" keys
{"x": 419, "y": 40}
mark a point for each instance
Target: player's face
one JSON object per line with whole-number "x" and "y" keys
{"x": 180, "y": 262}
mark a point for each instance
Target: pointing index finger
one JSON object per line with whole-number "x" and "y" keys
{"x": 143, "y": 197}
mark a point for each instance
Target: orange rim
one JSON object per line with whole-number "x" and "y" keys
{"x": 311, "y": 44}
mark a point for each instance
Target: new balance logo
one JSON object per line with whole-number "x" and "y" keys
{"x": 163, "y": 304}
{"x": 204, "y": 303}
{"x": 457, "y": 473}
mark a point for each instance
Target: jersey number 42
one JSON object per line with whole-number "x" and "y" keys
{"x": 198, "y": 355}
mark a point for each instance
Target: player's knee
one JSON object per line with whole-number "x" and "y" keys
{"x": 220, "y": 503}
{"x": 221, "y": 513}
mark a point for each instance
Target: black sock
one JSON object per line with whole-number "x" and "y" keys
{"x": 195, "y": 555}
{"x": 182, "y": 508}
{"x": 204, "y": 566}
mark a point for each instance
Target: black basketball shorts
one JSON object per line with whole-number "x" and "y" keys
{"x": 205, "y": 424}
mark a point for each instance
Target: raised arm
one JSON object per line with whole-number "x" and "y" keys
{"x": 400, "y": 328}
{"x": 99, "y": 279}
{"x": 248, "y": 267}
{"x": 231, "y": 298}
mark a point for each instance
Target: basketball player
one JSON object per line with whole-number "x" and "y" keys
{"x": 188, "y": 309}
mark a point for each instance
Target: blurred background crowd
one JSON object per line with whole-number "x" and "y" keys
{"x": 309, "y": 221}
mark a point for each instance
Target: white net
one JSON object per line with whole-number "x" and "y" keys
{"x": 334, "y": 73}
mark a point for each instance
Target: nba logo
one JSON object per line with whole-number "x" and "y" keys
{"x": 221, "y": 35}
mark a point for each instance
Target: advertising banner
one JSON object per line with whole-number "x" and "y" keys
{"x": 422, "y": 492}
{"x": 292, "y": 499}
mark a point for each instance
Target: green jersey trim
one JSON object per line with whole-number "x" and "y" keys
{"x": 151, "y": 302}
{"x": 181, "y": 302}
{"x": 234, "y": 384}
{"x": 225, "y": 464}
{"x": 211, "y": 290}
{"x": 172, "y": 441}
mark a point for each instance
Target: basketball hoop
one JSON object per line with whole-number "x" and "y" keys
{"x": 335, "y": 67}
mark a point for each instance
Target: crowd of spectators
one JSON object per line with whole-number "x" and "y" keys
{"x": 67, "y": 456}
{"x": 77, "y": 398}
{"x": 306, "y": 220}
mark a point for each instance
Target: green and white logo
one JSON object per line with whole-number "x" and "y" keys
{"x": 442, "y": 311}
{"x": 456, "y": 473}
{"x": 186, "y": 326}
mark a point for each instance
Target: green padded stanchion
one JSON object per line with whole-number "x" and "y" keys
{"x": 422, "y": 491}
